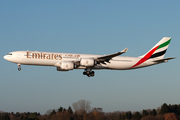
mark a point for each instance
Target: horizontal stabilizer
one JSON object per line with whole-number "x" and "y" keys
{"x": 164, "y": 60}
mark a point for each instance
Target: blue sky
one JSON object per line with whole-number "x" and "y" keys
{"x": 90, "y": 27}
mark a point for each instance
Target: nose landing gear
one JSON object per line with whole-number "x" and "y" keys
{"x": 19, "y": 67}
{"x": 89, "y": 73}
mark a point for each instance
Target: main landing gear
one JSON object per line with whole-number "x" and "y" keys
{"x": 19, "y": 67}
{"x": 89, "y": 73}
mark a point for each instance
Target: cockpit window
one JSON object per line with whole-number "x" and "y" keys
{"x": 10, "y": 54}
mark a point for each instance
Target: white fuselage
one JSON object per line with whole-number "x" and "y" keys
{"x": 54, "y": 59}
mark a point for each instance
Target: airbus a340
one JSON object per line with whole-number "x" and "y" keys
{"x": 70, "y": 61}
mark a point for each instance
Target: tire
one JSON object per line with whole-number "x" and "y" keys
{"x": 19, "y": 69}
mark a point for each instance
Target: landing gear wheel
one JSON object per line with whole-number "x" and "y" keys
{"x": 84, "y": 73}
{"x": 92, "y": 73}
{"x": 19, "y": 68}
{"x": 89, "y": 73}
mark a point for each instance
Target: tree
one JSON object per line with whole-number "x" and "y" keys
{"x": 33, "y": 116}
{"x": 70, "y": 110}
{"x": 148, "y": 117}
{"x": 122, "y": 117}
{"x": 4, "y": 116}
{"x": 136, "y": 116}
{"x": 48, "y": 112}
{"x": 64, "y": 109}
{"x": 52, "y": 113}
{"x": 145, "y": 113}
{"x": 21, "y": 117}
{"x": 82, "y": 106}
{"x": 174, "y": 108}
{"x": 153, "y": 112}
{"x": 170, "y": 116}
{"x": 60, "y": 109}
{"x": 178, "y": 110}
{"x": 164, "y": 109}
{"x": 25, "y": 118}
{"x": 97, "y": 109}
{"x": 128, "y": 115}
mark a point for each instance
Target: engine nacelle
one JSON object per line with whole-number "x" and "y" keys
{"x": 65, "y": 66}
{"x": 88, "y": 62}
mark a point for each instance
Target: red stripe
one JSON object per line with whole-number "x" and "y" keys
{"x": 147, "y": 56}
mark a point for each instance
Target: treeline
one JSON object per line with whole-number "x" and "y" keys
{"x": 19, "y": 116}
{"x": 82, "y": 111}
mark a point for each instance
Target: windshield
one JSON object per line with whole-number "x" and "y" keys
{"x": 10, "y": 54}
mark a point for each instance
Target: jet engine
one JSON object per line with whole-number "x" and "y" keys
{"x": 66, "y": 66}
{"x": 88, "y": 62}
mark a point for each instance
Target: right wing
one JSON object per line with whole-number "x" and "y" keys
{"x": 106, "y": 58}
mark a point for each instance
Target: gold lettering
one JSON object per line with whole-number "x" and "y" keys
{"x": 55, "y": 56}
{"x": 60, "y": 57}
{"x": 44, "y": 55}
{"x": 28, "y": 54}
{"x": 41, "y": 55}
{"x": 48, "y": 57}
{"x": 52, "y": 56}
{"x": 36, "y": 55}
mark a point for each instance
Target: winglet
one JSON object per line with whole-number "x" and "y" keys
{"x": 125, "y": 50}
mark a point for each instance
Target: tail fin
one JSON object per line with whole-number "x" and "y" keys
{"x": 159, "y": 50}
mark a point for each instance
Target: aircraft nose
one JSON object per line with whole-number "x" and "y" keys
{"x": 5, "y": 57}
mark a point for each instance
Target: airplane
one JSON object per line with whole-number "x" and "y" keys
{"x": 88, "y": 62}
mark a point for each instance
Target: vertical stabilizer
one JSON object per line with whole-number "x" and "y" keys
{"x": 159, "y": 50}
